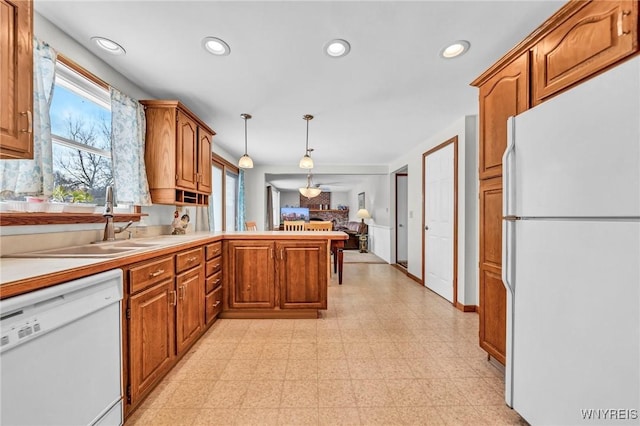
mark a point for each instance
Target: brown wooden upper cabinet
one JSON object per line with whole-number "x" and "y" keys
{"x": 580, "y": 40}
{"x": 595, "y": 37}
{"x": 504, "y": 95}
{"x": 177, "y": 154}
{"x": 16, "y": 79}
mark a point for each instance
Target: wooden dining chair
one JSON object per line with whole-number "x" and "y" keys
{"x": 251, "y": 226}
{"x": 318, "y": 226}
{"x": 294, "y": 225}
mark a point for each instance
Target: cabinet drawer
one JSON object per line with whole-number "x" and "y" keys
{"x": 188, "y": 259}
{"x": 214, "y": 265}
{"x": 214, "y": 249}
{"x": 146, "y": 274}
{"x": 213, "y": 281}
{"x": 213, "y": 303}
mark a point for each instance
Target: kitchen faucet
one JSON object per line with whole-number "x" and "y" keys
{"x": 110, "y": 231}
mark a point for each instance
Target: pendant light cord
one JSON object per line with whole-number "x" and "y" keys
{"x": 245, "y": 135}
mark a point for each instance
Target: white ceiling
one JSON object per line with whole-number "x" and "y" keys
{"x": 391, "y": 92}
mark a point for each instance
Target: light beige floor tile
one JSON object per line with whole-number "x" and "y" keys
{"x": 300, "y": 394}
{"x": 461, "y": 415}
{"x": 249, "y": 350}
{"x": 365, "y": 368}
{"x": 372, "y": 393}
{"x": 263, "y": 394}
{"x": 358, "y": 350}
{"x": 426, "y": 368}
{"x": 239, "y": 369}
{"x": 380, "y": 416}
{"x": 331, "y": 350}
{"x": 411, "y": 350}
{"x": 303, "y": 350}
{"x": 298, "y": 416}
{"x": 215, "y": 417}
{"x": 159, "y": 396}
{"x": 168, "y": 416}
{"x": 395, "y": 368}
{"x": 333, "y": 369}
{"x": 407, "y": 393}
{"x": 227, "y": 394}
{"x": 426, "y": 416}
{"x": 302, "y": 369}
{"x": 501, "y": 415}
{"x": 270, "y": 369}
{"x": 275, "y": 350}
{"x": 478, "y": 392}
{"x": 257, "y": 416}
{"x": 188, "y": 395}
{"x": 442, "y": 392}
{"x": 338, "y": 416}
{"x": 384, "y": 350}
{"x": 457, "y": 367}
{"x": 219, "y": 350}
{"x": 329, "y": 335}
{"x": 336, "y": 393}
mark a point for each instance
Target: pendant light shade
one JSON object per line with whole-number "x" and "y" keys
{"x": 309, "y": 191}
{"x": 245, "y": 161}
{"x": 306, "y": 162}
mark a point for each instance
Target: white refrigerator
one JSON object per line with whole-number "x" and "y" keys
{"x": 571, "y": 254}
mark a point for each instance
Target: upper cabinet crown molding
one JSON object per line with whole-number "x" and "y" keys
{"x": 16, "y": 79}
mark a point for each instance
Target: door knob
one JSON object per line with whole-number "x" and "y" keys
{"x": 426, "y": 228}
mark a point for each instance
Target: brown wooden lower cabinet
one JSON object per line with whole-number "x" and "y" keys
{"x": 493, "y": 299}
{"x": 190, "y": 307}
{"x": 275, "y": 277}
{"x": 151, "y": 337}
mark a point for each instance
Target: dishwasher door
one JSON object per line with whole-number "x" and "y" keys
{"x": 60, "y": 355}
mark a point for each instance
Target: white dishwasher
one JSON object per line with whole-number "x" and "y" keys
{"x": 60, "y": 355}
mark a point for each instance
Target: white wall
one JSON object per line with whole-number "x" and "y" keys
{"x": 466, "y": 130}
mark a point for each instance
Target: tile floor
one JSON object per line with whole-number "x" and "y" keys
{"x": 387, "y": 351}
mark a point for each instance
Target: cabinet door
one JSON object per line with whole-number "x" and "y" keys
{"x": 186, "y": 152}
{"x": 204, "y": 162}
{"x": 190, "y": 309}
{"x": 504, "y": 95}
{"x": 493, "y": 295}
{"x": 16, "y": 79}
{"x": 251, "y": 274}
{"x": 151, "y": 338}
{"x": 302, "y": 274}
{"x": 597, "y": 36}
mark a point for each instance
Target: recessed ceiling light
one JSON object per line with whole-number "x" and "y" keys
{"x": 108, "y": 45}
{"x": 337, "y": 48}
{"x": 216, "y": 46}
{"x": 455, "y": 49}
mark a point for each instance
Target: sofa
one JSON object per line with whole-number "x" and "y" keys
{"x": 353, "y": 230}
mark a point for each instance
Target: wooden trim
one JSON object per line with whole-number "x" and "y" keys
{"x": 224, "y": 162}
{"x": 168, "y": 103}
{"x": 17, "y": 219}
{"x": 396, "y": 211}
{"x": 267, "y": 313}
{"x": 414, "y": 278}
{"x": 86, "y": 74}
{"x": 454, "y": 141}
{"x": 547, "y": 26}
{"x": 466, "y": 308}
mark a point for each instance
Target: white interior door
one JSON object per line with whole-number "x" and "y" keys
{"x": 439, "y": 221}
{"x": 402, "y": 240}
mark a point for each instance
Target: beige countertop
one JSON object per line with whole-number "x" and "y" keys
{"x": 21, "y": 275}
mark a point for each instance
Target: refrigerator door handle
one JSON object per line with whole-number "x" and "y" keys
{"x": 508, "y": 266}
{"x": 508, "y": 172}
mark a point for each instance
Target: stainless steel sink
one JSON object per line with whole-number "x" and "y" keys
{"x": 90, "y": 250}
{"x": 98, "y": 249}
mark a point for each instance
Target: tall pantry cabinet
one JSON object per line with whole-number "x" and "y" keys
{"x": 579, "y": 41}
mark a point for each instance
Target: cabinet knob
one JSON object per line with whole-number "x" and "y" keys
{"x": 29, "y": 128}
{"x": 156, "y": 273}
{"x": 217, "y": 303}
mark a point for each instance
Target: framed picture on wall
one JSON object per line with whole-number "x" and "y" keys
{"x": 361, "y": 200}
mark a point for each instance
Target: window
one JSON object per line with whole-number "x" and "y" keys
{"x": 224, "y": 206}
{"x": 81, "y": 133}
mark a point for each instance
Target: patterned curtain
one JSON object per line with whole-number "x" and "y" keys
{"x": 240, "y": 217}
{"x": 128, "y": 127}
{"x": 35, "y": 177}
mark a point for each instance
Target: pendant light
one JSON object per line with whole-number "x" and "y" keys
{"x": 310, "y": 191}
{"x": 245, "y": 161}
{"x": 306, "y": 162}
